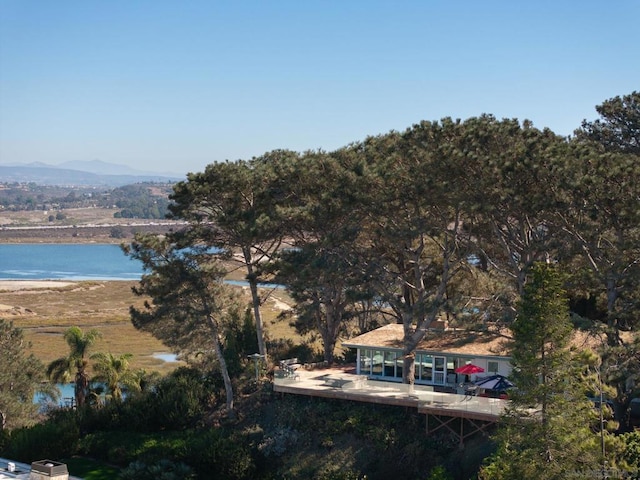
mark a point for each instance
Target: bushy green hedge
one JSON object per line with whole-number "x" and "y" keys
{"x": 211, "y": 453}
{"x": 276, "y": 437}
{"x": 163, "y": 469}
{"x": 164, "y": 423}
{"x": 55, "y": 438}
{"x": 179, "y": 401}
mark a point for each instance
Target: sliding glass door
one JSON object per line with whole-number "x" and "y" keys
{"x": 439, "y": 370}
{"x": 429, "y": 369}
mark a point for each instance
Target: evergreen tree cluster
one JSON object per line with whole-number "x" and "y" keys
{"x": 445, "y": 218}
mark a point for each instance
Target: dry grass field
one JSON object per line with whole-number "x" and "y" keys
{"x": 73, "y": 216}
{"x": 45, "y": 313}
{"x": 81, "y": 225}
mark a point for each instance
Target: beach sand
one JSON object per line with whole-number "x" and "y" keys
{"x": 6, "y": 285}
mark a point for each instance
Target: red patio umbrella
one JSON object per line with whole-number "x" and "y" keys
{"x": 469, "y": 369}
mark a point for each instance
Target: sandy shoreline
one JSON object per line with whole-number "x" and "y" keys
{"x": 32, "y": 284}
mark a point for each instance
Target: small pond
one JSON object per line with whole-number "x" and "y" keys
{"x": 166, "y": 357}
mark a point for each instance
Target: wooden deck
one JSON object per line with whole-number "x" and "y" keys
{"x": 341, "y": 384}
{"x": 461, "y": 415}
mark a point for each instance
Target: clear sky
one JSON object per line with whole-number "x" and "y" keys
{"x": 171, "y": 86}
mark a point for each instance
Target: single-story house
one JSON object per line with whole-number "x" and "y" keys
{"x": 379, "y": 354}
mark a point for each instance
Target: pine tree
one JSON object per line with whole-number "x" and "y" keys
{"x": 20, "y": 377}
{"x": 545, "y": 432}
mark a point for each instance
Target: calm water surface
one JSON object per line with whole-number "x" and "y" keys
{"x": 66, "y": 262}
{"x": 73, "y": 262}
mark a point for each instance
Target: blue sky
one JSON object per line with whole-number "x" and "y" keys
{"x": 174, "y": 85}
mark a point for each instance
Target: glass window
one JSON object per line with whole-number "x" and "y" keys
{"x": 376, "y": 363}
{"x": 399, "y": 365}
{"x": 439, "y": 370}
{"x": 365, "y": 362}
{"x": 425, "y": 370}
{"x": 492, "y": 367}
{"x": 463, "y": 361}
{"x": 389, "y": 364}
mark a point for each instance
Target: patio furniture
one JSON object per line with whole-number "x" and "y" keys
{"x": 289, "y": 367}
{"x": 470, "y": 389}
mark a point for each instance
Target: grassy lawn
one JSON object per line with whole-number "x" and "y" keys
{"x": 90, "y": 469}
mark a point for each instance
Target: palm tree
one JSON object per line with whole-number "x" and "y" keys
{"x": 62, "y": 369}
{"x": 114, "y": 372}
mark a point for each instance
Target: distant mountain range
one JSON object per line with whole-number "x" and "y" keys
{"x": 81, "y": 173}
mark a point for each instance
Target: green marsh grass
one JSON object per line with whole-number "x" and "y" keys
{"x": 104, "y": 306}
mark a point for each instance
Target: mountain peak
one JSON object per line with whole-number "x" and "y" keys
{"x": 95, "y": 173}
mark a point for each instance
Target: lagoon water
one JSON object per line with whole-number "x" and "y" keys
{"x": 73, "y": 262}
{"x": 66, "y": 262}
{"x": 67, "y": 391}
{"x": 66, "y": 395}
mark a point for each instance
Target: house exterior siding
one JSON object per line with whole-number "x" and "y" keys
{"x": 431, "y": 368}
{"x": 380, "y": 357}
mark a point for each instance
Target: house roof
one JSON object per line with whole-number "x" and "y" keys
{"x": 464, "y": 342}
{"x": 458, "y": 342}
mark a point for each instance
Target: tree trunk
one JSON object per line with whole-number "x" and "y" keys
{"x": 228, "y": 386}
{"x": 329, "y": 345}
{"x": 613, "y": 334}
{"x": 329, "y": 330}
{"x": 521, "y": 279}
{"x": 413, "y": 337}
{"x": 409, "y": 366}
{"x": 408, "y": 350}
{"x": 80, "y": 390}
{"x": 255, "y": 299}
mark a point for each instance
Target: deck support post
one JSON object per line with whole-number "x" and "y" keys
{"x": 477, "y": 426}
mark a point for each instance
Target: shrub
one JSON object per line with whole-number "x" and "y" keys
{"x": 4, "y": 440}
{"x": 214, "y": 454}
{"x": 278, "y": 442}
{"x": 178, "y": 401}
{"x": 439, "y": 473}
{"x": 126, "y": 447}
{"x": 341, "y": 475}
{"x": 182, "y": 399}
{"x": 240, "y": 341}
{"x": 164, "y": 469}
{"x": 117, "y": 232}
{"x": 56, "y": 437}
{"x": 286, "y": 348}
